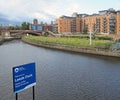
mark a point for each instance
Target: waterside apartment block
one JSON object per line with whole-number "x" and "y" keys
{"x": 106, "y": 22}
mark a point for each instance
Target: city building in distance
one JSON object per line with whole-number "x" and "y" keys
{"x": 40, "y": 27}
{"x": 35, "y": 26}
{"x": 105, "y": 22}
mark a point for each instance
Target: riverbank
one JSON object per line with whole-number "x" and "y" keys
{"x": 95, "y": 51}
{"x": 2, "y": 40}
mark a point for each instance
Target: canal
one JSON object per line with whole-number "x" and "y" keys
{"x": 60, "y": 75}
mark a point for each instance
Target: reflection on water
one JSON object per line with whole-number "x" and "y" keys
{"x": 60, "y": 75}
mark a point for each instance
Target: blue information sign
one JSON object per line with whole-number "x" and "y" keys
{"x": 24, "y": 76}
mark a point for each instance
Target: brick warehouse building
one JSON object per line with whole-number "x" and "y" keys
{"x": 106, "y": 22}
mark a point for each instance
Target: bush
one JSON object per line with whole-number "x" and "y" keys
{"x": 79, "y": 37}
{"x": 103, "y": 38}
{"x": 93, "y": 37}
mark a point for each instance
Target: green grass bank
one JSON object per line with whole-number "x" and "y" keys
{"x": 99, "y": 47}
{"x": 74, "y": 42}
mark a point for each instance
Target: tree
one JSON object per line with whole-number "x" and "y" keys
{"x": 25, "y": 26}
{"x": 11, "y": 28}
{"x": 15, "y": 27}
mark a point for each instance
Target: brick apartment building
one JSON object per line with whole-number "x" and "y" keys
{"x": 106, "y": 22}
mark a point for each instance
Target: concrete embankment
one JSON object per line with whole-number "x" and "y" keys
{"x": 2, "y": 40}
{"x": 101, "y": 52}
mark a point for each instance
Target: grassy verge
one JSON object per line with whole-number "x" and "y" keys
{"x": 77, "y": 42}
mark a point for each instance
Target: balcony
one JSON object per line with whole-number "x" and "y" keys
{"x": 112, "y": 21}
{"x": 112, "y": 24}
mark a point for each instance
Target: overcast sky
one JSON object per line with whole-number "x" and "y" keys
{"x": 47, "y": 10}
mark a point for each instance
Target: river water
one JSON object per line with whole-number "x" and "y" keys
{"x": 60, "y": 75}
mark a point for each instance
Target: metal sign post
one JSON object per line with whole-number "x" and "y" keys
{"x": 33, "y": 92}
{"x": 24, "y": 77}
{"x": 16, "y": 94}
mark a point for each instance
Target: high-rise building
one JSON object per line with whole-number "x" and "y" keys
{"x": 106, "y": 22}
